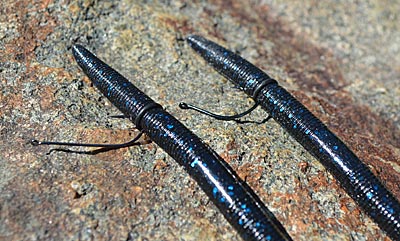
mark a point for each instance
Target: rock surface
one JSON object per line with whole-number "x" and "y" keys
{"x": 340, "y": 59}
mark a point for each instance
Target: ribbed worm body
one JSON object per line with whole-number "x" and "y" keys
{"x": 234, "y": 198}
{"x": 311, "y": 133}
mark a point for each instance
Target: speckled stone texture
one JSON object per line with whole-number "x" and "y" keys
{"x": 340, "y": 59}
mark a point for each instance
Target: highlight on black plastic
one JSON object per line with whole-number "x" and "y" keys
{"x": 353, "y": 175}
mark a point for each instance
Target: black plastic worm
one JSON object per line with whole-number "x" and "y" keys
{"x": 234, "y": 198}
{"x": 311, "y": 133}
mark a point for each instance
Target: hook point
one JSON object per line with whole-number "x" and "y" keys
{"x": 183, "y": 105}
{"x": 35, "y": 142}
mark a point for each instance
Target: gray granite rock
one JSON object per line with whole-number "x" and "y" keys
{"x": 340, "y": 59}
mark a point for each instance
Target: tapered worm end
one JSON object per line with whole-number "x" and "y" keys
{"x": 88, "y": 62}
{"x": 196, "y": 42}
{"x": 82, "y": 56}
{"x": 78, "y": 50}
{"x": 79, "y": 54}
{"x": 191, "y": 38}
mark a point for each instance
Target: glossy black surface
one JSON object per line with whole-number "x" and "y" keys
{"x": 234, "y": 198}
{"x": 312, "y": 134}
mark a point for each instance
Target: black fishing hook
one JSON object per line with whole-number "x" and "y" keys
{"x": 233, "y": 197}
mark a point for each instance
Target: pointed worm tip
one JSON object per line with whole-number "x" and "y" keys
{"x": 82, "y": 56}
{"x": 77, "y": 47}
{"x": 194, "y": 39}
{"x": 78, "y": 50}
{"x": 191, "y": 37}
